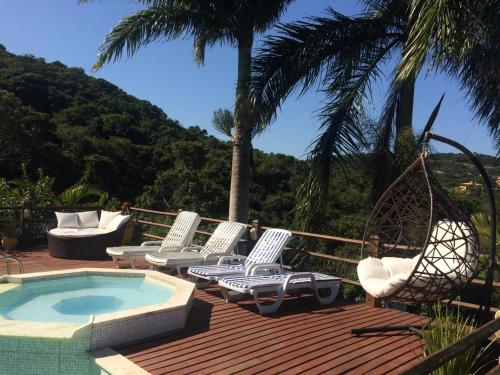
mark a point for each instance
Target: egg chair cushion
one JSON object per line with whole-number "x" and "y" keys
{"x": 450, "y": 252}
{"x": 382, "y": 277}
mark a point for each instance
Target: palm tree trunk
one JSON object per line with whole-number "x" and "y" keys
{"x": 382, "y": 164}
{"x": 385, "y": 166}
{"x": 240, "y": 169}
{"x": 405, "y": 148}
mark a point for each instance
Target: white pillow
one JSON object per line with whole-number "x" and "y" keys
{"x": 106, "y": 217}
{"x": 88, "y": 219}
{"x": 67, "y": 220}
{"x": 118, "y": 221}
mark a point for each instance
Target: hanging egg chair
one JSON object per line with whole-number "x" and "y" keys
{"x": 421, "y": 247}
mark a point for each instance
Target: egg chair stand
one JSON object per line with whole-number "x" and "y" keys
{"x": 422, "y": 248}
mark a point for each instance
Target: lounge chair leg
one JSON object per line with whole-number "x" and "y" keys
{"x": 132, "y": 263}
{"x": 231, "y": 296}
{"x": 273, "y": 307}
{"x": 332, "y": 294}
{"x": 199, "y": 283}
{"x": 116, "y": 259}
{"x": 178, "y": 270}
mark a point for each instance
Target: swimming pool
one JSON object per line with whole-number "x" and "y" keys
{"x": 75, "y": 299}
{"x": 52, "y": 322}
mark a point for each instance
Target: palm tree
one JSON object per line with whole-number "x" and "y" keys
{"x": 462, "y": 38}
{"x": 208, "y": 22}
{"x": 345, "y": 56}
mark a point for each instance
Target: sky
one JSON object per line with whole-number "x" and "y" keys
{"x": 165, "y": 72}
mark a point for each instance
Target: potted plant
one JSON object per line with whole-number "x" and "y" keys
{"x": 9, "y": 230}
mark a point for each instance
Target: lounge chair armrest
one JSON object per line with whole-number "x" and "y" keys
{"x": 263, "y": 269}
{"x": 213, "y": 256}
{"x": 191, "y": 249}
{"x": 231, "y": 259}
{"x": 300, "y": 275}
{"x": 151, "y": 243}
{"x": 171, "y": 248}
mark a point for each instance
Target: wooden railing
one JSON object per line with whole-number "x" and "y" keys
{"x": 306, "y": 235}
{"x": 163, "y": 226}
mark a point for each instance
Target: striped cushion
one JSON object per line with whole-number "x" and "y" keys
{"x": 217, "y": 270}
{"x": 250, "y": 282}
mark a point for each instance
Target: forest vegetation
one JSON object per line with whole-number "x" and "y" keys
{"x": 79, "y": 130}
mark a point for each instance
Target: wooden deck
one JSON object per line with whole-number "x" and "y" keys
{"x": 232, "y": 338}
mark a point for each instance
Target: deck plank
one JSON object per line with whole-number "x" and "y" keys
{"x": 232, "y": 338}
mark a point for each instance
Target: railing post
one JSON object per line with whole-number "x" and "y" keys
{"x": 253, "y": 236}
{"x": 24, "y": 217}
{"x": 374, "y": 246}
{"x": 254, "y": 231}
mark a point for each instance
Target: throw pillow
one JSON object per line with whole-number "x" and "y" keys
{"x": 67, "y": 220}
{"x": 118, "y": 221}
{"x": 88, "y": 219}
{"x": 106, "y": 217}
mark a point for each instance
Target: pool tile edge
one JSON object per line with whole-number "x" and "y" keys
{"x": 113, "y": 363}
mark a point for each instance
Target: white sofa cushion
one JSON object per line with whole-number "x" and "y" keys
{"x": 88, "y": 219}
{"x": 106, "y": 217}
{"x": 78, "y": 233}
{"x": 67, "y": 220}
{"x": 118, "y": 221}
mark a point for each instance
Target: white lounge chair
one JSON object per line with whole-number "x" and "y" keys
{"x": 178, "y": 237}
{"x": 267, "y": 250}
{"x": 221, "y": 243}
{"x": 281, "y": 283}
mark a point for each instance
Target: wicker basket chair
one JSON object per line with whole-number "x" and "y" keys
{"x": 415, "y": 224}
{"x": 422, "y": 248}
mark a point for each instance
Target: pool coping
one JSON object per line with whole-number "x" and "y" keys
{"x": 179, "y": 304}
{"x": 114, "y": 363}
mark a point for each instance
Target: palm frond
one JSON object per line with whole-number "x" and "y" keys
{"x": 344, "y": 119}
{"x": 306, "y": 52}
{"x": 462, "y": 38}
{"x": 431, "y": 120}
{"x": 223, "y": 121}
{"x": 164, "y": 20}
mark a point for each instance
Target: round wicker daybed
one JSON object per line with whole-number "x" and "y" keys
{"x": 79, "y": 244}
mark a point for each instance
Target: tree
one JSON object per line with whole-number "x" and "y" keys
{"x": 462, "y": 38}
{"x": 209, "y": 22}
{"x": 345, "y": 56}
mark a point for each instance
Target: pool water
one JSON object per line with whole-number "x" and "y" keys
{"x": 74, "y": 299}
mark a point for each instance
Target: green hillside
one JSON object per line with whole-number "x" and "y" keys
{"x": 453, "y": 169}
{"x": 78, "y": 129}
